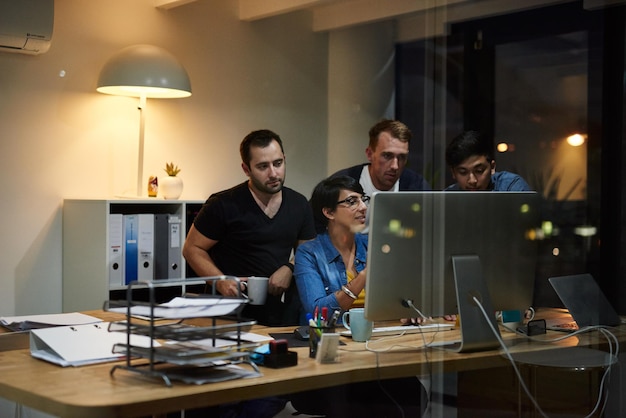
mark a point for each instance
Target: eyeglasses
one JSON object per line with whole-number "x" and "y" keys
{"x": 353, "y": 202}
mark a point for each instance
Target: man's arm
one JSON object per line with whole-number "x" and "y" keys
{"x": 281, "y": 279}
{"x": 196, "y": 252}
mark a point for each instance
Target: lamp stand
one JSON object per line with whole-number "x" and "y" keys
{"x": 142, "y": 123}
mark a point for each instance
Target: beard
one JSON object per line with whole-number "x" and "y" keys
{"x": 272, "y": 186}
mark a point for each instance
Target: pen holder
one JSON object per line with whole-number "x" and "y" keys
{"x": 315, "y": 335}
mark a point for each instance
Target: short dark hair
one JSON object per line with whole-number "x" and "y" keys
{"x": 326, "y": 195}
{"x": 395, "y": 128}
{"x": 466, "y": 145}
{"x": 261, "y": 138}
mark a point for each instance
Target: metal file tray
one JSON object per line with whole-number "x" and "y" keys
{"x": 181, "y": 331}
{"x": 185, "y": 346}
{"x": 183, "y": 354}
{"x": 179, "y": 308}
{"x": 211, "y": 374}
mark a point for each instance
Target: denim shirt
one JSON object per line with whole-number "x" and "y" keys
{"x": 320, "y": 271}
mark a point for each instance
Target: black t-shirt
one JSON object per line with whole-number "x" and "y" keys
{"x": 250, "y": 243}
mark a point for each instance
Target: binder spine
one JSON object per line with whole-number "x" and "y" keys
{"x": 145, "y": 247}
{"x": 116, "y": 250}
{"x": 130, "y": 247}
{"x": 167, "y": 243}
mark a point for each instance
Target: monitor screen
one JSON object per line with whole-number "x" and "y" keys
{"x": 414, "y": 235}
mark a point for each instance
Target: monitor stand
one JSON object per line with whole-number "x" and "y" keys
{"x": 476, "y": 335}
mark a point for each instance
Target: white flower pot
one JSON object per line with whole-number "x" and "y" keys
{"x": 171, "y": 187}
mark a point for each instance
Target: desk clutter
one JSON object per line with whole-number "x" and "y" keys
{"x": 278, "y": 355}
{"x": 79, "y": 345}
{"x": 106, "y": 395}
{"x": 190, "y": 353}
{"x": 29, "y": 322}
{"x": 155, "y": 341}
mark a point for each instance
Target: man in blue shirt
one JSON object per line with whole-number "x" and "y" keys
{"x": 473, "y": 167}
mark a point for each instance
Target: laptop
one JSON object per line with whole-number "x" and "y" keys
{"x": 585, "y": 301}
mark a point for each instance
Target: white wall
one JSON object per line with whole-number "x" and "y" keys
{"x": 361, "y": 89}
{"x": 60, "y": 138}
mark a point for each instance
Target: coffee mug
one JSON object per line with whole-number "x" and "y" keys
{"x": 513, "y": 319}
{"x": 257, "y": 289}
{"x": 360, "y": 328}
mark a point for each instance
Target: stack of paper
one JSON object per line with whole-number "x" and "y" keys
{"x": 180, "y": 307}
{"x": 25, "y": 323}
{"x": 81, "y": 344}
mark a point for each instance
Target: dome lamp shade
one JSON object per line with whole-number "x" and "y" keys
{"x": 144, "y": 71}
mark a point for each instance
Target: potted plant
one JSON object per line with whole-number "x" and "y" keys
{"x": 171, "y": 186}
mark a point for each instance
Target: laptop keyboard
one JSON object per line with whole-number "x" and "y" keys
{"x": 563, "y": 326}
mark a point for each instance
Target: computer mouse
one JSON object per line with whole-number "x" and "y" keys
{"x": 301, "y": 333}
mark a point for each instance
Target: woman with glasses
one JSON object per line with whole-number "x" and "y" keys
{"x": 330, "y": 273}
{"x": 330, "y": 270}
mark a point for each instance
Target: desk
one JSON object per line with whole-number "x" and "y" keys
{"x": 90, "y": 391}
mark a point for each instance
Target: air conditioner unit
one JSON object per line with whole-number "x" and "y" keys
{"x": 26, "y": 25}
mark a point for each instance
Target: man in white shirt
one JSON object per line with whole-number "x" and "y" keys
{"x": 387, "y": 153}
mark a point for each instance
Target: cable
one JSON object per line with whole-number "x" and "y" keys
{"x": 409, "y": 304}
{"x": 380, "y": 385}
{"x": 611, "y": 339}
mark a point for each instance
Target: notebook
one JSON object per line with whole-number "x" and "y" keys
{"x": 585, "y": 301}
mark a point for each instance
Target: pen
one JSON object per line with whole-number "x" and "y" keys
{"x": 324, "y": 316}
{"x": 334, "y": 318}
{"x": 316, "y": 316}
{"x": 309, "y": 319}
{"x": 312, "y": 324}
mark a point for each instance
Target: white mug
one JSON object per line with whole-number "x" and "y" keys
{"x": 257, "y": 290}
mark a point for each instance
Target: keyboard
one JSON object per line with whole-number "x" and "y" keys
{"x": 563, "y": 326}
{"x": 406, "y": 329}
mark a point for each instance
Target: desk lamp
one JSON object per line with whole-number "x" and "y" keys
{"x": 144, "y": 71}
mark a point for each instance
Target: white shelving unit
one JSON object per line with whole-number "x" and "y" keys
{"x": 86, "y": 246}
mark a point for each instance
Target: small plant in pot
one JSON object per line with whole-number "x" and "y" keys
{"x": 171, "y": 186}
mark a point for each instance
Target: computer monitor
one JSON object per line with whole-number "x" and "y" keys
{"x": 414, "y": 236}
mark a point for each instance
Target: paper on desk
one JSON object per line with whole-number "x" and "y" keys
{"x": 24, "y": 323}
{"x": 81, "y": 344}
{"x": 180, "y": 307}
{"x": 246, "y": 337}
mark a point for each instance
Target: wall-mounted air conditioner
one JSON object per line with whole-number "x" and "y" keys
{"x": 26, "y": 25}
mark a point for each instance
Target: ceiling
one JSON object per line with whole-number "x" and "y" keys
{"x": 415, "y": 19}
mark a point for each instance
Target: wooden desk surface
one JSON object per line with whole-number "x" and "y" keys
{"x": 91, "y": 391}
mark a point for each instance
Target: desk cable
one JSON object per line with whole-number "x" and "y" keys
{"x": 613, "y": 352}
{"x": 426, "y": 344}
{"x": 380, "y": 385}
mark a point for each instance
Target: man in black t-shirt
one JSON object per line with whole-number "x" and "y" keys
{"x": 252, "y": 229}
